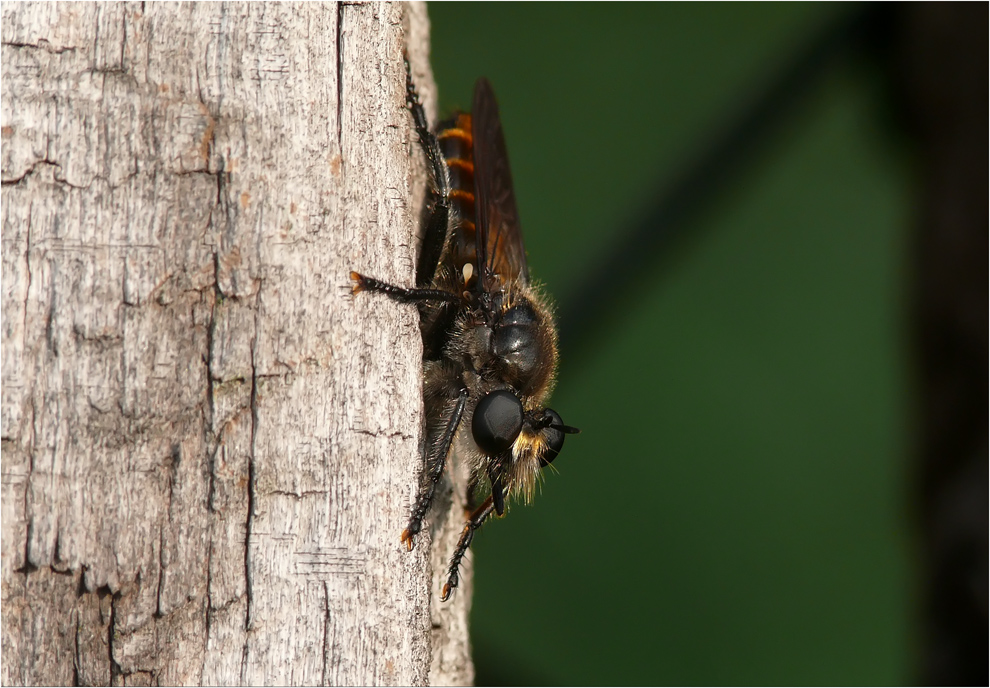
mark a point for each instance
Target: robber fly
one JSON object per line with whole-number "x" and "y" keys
{"x": 489, "y": 340}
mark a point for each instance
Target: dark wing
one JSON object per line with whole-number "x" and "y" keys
{"x": 499, "y": 237}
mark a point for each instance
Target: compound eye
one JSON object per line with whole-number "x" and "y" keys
{"x": 498, "y": 418}
{"x": 553, "y": 436}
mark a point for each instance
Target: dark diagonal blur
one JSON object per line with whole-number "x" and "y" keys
{"x": 765, "y": 226}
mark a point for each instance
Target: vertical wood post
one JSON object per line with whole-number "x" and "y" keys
{"x": 209, "y": 446}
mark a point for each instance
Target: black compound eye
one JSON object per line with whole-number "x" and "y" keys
{"x": 497, "y": 420}
{"x": 553, "y": 436}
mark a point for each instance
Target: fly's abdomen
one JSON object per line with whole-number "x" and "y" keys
{"x": 457, "y": 146}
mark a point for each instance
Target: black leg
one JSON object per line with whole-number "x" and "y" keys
{"x": 477, "y": 518}
{"x": 436, "y": 470}
{"x": 498, "y": 486}
{"x": 365, "y": 283}
{"x": 437, "y": 226}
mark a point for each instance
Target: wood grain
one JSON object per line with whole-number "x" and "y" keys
{"x": 209, "y": 446}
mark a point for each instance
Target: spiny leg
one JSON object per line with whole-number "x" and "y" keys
{"x": 477, "y": 518}
{"x": 365, "y": 283}
{"x": 436, "y": 470}
{"x": 435, "y": 234}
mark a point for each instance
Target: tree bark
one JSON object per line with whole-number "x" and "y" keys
{"x": 210, "y": 447}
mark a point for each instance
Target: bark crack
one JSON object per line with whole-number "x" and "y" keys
{"x": 173, "y": 476}
{"x": 212, "y": 435}
{"x": 297, "y": 495}
{"x": 228, "y": 604}
{"x": 76, "y": 661}
{"x": 14, "y": 181}
{"x": 123, "y": 41}
{"x": 212, "y": 439}
{"x": 209, "y": 598}
{"x": 326, "y": 634}
{"x": 387, "y": 435}
{"x": 42, "y": 44}
{"x": 252, "y": 457}
{"x": 33, "y": 168}
{"x": 115, "y": 670}
{"x": 28, "y": 567}
{"x": 57, "y": 560}
{"x": 161, "y": 570}
{"x": 30, "y": 277}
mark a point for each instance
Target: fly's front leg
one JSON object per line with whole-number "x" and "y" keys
{"x": 477, "y": 518}
{"x": 438, "y": 461}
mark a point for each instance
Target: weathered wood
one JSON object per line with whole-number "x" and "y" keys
{"x": 209, "y": 446}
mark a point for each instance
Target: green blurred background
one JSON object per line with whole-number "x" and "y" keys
{"x": 735, "y": 510}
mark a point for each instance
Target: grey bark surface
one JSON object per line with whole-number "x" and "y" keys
{"x": 209, "y": 446}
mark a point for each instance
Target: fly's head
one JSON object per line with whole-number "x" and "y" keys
{"x": 517, "y": 442}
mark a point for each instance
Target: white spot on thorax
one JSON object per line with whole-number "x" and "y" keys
{"x": 467, "y": 271}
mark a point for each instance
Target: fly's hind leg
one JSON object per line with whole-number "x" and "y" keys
{"x": 474, "y": 522}
{"x": 440, "y": 451}
{"x": 435, "y": 234}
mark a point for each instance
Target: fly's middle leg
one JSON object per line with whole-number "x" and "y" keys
{"x": 401, "y": 294}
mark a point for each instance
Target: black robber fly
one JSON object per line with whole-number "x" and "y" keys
{"x": 489, "y": 340}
